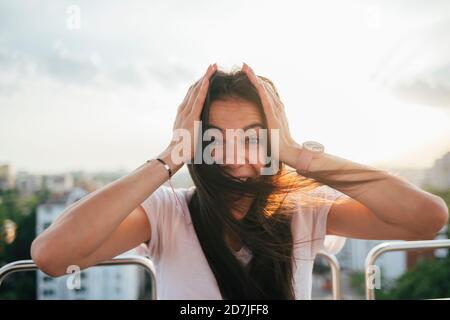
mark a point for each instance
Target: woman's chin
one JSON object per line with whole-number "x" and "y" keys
{"x": 245, "y": 178}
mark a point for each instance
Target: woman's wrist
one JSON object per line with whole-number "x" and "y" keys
{"x": 170, "y": 160}
{"x": 290, "y": 154}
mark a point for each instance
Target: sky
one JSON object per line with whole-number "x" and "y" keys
{"x": 95, "y": 86}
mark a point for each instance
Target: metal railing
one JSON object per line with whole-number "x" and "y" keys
{"x": 335, "y": 273}
{"x": 384, "y": 247}
{"x": 372, "y": 256}
{"x": 29, "y": 265}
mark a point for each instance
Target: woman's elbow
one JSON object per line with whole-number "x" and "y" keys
{"x": 439, "y": 211}
{"x": 436, "y": 212}
{"x": 44, "y": 259}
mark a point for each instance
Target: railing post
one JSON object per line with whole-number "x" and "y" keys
{"x": 29, "y": 265}
{"x": 384, "y": 247}
{"x": 335, "y": 273}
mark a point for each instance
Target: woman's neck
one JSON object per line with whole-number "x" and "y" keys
{"x": 239, "y": 211}
{"x": 233, "y": 241}
{"x": 241, "y": 207}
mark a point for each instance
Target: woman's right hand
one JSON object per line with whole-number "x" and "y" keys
{"x": 188, "y": 112}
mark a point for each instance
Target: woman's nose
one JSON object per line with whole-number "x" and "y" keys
{"x": 234, "y": 153}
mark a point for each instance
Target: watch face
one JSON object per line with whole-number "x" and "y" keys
{"x": 314, "y": 146}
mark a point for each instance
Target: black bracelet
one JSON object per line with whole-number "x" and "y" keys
{"x": 165, "y": 166}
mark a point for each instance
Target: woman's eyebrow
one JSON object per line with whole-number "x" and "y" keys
{"x": 250, "y": 126}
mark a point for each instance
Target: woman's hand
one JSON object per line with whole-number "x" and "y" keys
{"x": 188, "y": 112}
{"x": 289, "y": 150}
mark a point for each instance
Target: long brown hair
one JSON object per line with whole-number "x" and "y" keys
{"x": 266, "y": 227}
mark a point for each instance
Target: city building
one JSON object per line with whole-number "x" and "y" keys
{"x": 99, "y": 283}
{"x": 352, "y": 258}
{"x": 392, "y": 264}
{"x": 28, "y": 184}
{"x": 7, "y": 177}
{"x": 59, "y": 183}
{"x": 438, "y": 176}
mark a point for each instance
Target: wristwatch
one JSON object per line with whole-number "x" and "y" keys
{"x": 310, "y": 150}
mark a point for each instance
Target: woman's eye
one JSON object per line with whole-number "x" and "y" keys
{"x": 217, "y": 142}
{"x": 250, "y": 140}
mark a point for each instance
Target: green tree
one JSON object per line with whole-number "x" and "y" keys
{"x": 429, "y": 279}
{"x": 22, "y": 211}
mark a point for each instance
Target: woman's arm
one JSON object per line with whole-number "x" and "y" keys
{"x": 101, "y": 225}
{"x": 110, "y": 220}
{"x": 388, "y": 208}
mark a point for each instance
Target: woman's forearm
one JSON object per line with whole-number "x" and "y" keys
{"x": 392, "y": 198}
{"x": 85, "y": 225}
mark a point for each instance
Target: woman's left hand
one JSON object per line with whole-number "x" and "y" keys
{"x": 276, "y": 118}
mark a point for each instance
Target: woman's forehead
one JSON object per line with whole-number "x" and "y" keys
{"x": 233, "y": 114}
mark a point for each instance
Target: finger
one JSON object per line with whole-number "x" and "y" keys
{"x": 198, "y": 96}
{"x": 258, "y": 83}
{"x": 193, "y": 94}
{"x": 278, "y": 106}
{"x": 192, "y": 90}
{"x": 200, "y": 99}
{"x": 275, "y": 101}
{"x": 203, "y": 90}
{"x": 188, "y": 95}
{"x": 273, "y": 93}
{"x": 274, "y": 108}
{"x": 209, "y": 72}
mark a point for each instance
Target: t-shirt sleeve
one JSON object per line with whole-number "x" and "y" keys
{"x": 158, "y": 208}
{"x": 328, "y": 243}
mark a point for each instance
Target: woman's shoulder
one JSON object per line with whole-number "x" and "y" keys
{"x": 317, "y": 198}
{"x": 167, "y": 204}
{"x": 326, "y": 192}
{"x": 310, "y": 219}
{"x": 168, "y": 214}
{"x": 166, "y": 195}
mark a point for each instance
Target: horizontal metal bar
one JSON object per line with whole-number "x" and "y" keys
{"x": 335, "y": 273}
{"x": 29, "y": 265}
{"x": 384, "y": 247}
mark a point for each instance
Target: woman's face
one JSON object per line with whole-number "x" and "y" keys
{"x": 238, "y": 114}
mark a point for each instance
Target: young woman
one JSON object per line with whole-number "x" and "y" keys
{"x": 238, "y": 234}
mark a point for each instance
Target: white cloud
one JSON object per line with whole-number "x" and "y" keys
{"x": 105, "y": 96}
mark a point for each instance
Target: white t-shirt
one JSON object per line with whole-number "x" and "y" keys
{"x": 182, "y": 270}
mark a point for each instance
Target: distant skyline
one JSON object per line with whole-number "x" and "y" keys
{"x": 368, "y": 79}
